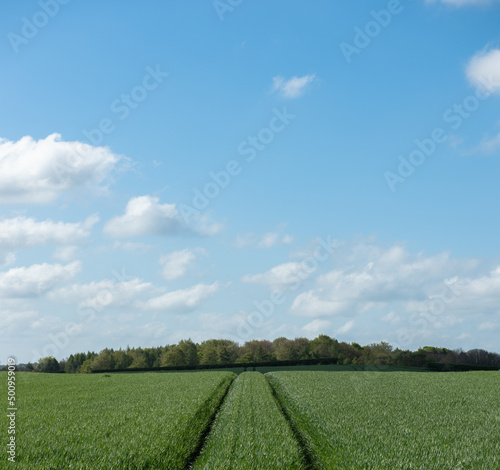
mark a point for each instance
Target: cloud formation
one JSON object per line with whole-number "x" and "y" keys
{"x": 268, "y": 240}
{"x": 286, "y": 275}
{"x": 24, "y": 232}
{"x": 144, "y": 215}
{"x": 107, "y": 293}
{"x": 182, "y": 300}
{"x": 37, "y": 171}
{"x": 373, "y": 278}
{"x": 293, "y": 87}
{"x": 483, "y": 70}
{"x": 35, "y": 280}
{"x": 176, "y": 264}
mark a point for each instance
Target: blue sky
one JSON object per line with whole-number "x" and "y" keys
{"x": 241, "y": 170}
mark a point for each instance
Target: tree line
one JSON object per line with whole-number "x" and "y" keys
{"x": 224, "y": 352}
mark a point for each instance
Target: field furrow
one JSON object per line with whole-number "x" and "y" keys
{"x": 394, "y": 420}
{"x": 120, "y": 421}
{"x": 250, "y": 431}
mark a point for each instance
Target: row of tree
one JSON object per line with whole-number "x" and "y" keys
{"x": 223, "y": 352}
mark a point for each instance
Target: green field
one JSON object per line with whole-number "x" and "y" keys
{"x": 130, "y": 421}
{"x": 281, "y": 420}
{"x": 396, "y": 419}
{"x": 250, "y": 431}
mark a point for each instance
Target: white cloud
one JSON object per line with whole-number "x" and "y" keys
{"x": 36, "y": 279}
{"x": 144, "y": 215}
{"x": 274, "y": 239}
{"x": 176, "y": 264}
{"x": 378, "y": 277}
{"x": 487, "y": 325}
{"x": 345, "y": 328}
{"x": 268, "y": 240}
{"x": 489, "y": 145}
{"x": 132, "y": 247}
{"x": 182, "y": 300}
{"x": 6, "y": 259}
{"x": 65, "y": 253}
{"x": 282, "y": 276}
{"x": 483, "y": 70}
{"x": 293, "y": 87}
{"x": 105, "y": 293}
{"x": 317, "y": 327}
{"x": 391, "y": 317}
{"x": 23, "y": 232}
{"x": 36, "y": 172}
{"x": 14, "y": 320}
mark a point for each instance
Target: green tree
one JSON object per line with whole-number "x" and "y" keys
{"x": 190, "y": 351}
{"x": 174, "y": 357}
{"x": 47, "y": 364}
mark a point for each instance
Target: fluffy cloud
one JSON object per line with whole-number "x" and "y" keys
{"x": 176, "y": 264}
{"x": 182, "y": 300}
{"x": 345, "y": 328}
{"x": 23, "y": 232}
{"x": 377, "y": 278}
{"x": 317, "y": 327}
{"x": 282, "y": 276}
{"x": 293, "y": 87}
{"x": 36, "y": 172}
{"x": 35, "y": 280}
{"x": 144, "y": 215}
{"x": 268, "y": 240}
{"x": 483, "y": 70}
{"x": 105, "y": 293}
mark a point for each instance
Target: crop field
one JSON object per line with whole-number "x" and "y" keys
{"x": 124, "y": 421}
{"x": 280, "y": 420}
{"x": 250, "y": 431}
{"x": 396, "y": 419}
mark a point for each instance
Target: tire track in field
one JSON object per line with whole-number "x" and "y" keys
{"x": 207, "y": 430}
{"x": 307, "y": 454}
{"x": 250, "y": 432}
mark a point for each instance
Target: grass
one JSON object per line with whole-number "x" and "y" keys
{"x": 250, "y": 432}
{"x": 123, "y": 421}
{"x": 348, "y": 420}
{"x": 395, "y": 420}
